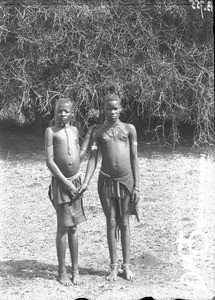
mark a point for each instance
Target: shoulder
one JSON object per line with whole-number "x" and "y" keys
{"x": 74, "y": 129}
{"x": 131, "y": 131}
{"x": 49, "y": 130}
{"x": 49, "y": 135}
{"x": 129, "y": 127}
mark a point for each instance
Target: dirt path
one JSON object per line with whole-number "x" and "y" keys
{"x": 172, "y": 248}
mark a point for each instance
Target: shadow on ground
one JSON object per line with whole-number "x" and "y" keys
{"x": 31, "y": 269}
{"x": 18, "y": 145}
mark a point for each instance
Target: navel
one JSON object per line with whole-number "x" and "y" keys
{"x": 115, "y": 165}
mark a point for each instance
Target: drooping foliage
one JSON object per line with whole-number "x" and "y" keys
{"x": 157, "y": 55}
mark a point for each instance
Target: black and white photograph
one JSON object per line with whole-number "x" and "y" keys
{"x": 107, "y": 150}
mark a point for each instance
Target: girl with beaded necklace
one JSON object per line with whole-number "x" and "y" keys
{"x": 118, "y": 183}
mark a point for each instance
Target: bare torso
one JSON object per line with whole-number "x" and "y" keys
{"x": 115, "y": 151}
{"x": 66, "y": 150}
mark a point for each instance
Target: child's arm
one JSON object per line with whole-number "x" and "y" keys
{"x": 85, "y": 144}
{"x": 134, "y": 162}
{"x": 52, "y": 165}
{"x": 91, "y": 166}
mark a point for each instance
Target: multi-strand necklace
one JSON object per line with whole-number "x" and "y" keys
{"x": 112, "y": 128}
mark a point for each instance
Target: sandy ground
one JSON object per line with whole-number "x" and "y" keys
{"x": 173, "y": 247}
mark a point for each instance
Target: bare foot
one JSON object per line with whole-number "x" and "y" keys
{"x": 127, "y": 272}
{"x": 113, "y": 273}
{"x": 76, "y": 278}
{"x": 63, "y": 278}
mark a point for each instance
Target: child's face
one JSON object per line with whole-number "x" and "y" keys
{"x": 63, "y": 112}
{"x": 112, "y": 110}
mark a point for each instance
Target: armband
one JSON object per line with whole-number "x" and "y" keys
{"x": 50, "y": 157}
{"x": 135, "y": 143}
{"x": 135, "y": 188}
{"x": 94, "y": 147}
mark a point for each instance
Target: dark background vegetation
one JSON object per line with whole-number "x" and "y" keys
{"x": 157, "y": 55}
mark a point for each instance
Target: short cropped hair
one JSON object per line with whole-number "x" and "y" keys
{"x": 111, "y": 97}
{"x": 65, "y": 100}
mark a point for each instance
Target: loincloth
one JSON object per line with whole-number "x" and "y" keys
{"x": 119, "y": 189}
{"x": 69, "y": 210}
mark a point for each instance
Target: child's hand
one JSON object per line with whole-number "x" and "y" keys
{"x": 71, "y": 189}
{"x": 73, "y": 192}
{"x": 82, "y": 189}
{"x": 135, "y": 195}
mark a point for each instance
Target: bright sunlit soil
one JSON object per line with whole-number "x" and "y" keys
{"x": 172, "y": 248}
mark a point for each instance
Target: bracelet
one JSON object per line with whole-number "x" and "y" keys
{"x": 135, "y": 188}
{"x": 85, "y": 184}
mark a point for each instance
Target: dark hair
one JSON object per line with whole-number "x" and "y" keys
{"x": 65, "y": 100}
{"x": 111, "y": 97}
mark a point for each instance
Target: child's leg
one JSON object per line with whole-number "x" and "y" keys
{"x": 61, "y": 254}
{"x": 109, "y": 208}
{"x": 125, "y": 238}
{"x": 73, "y": 247}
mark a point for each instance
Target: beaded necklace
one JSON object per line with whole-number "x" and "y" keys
{"x": 112, "y": 129}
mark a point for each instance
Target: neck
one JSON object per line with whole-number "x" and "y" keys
{"x": 63, "y": 125}
{"x": 112, "y": 123}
